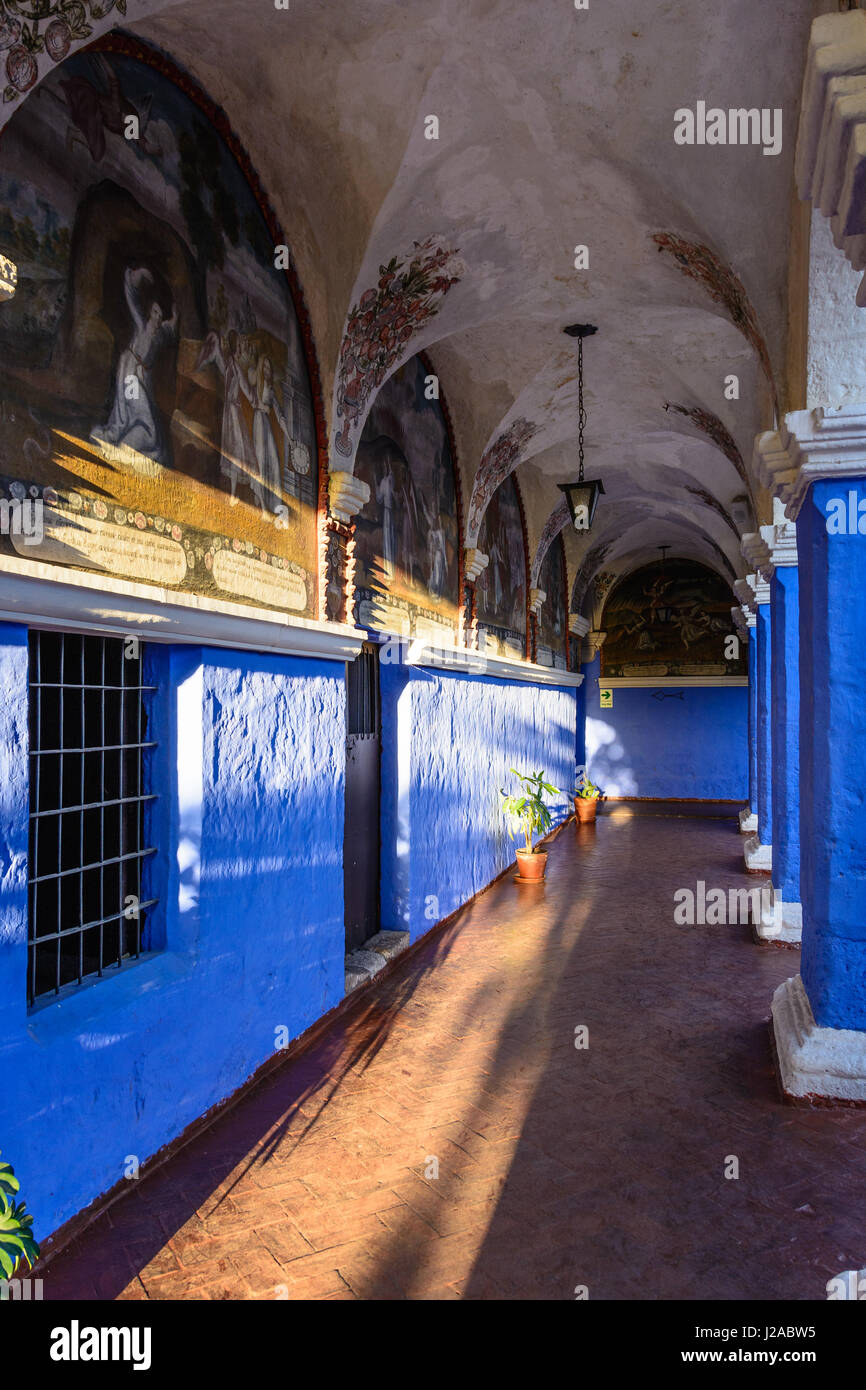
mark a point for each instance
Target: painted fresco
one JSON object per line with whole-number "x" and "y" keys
{"x": 552, "y": 645}
{"x": 406, "y": 537}
{"x": 670, "y": 619}
{"x": 501, "y": 587}
{"x": 154, "y": 393}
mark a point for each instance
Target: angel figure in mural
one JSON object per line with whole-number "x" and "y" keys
{"x": 385, "y": 498}
{"x": 237, "y": 460}
{"x": 409, "y": 529}
{"x": 437, "y": 569}
{"x": 268, "y": 475}
{"x": 93, "y": 111}
{"x": 134, "y": 420}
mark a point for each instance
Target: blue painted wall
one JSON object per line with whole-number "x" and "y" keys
{"x": 691, "y": 748}
{"x": 449, "y": 740}
{"x": 763, "y": 681}
{"x": 832, "y": 799}
{"x": 753, "y": 720}
{"x": 785, "y": 682}
{"x": 251, "y": 917}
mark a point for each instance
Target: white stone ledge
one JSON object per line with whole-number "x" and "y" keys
{"x": 781, "y": 922}
{"x": 748, "y": 821}
{"x": 39, "y": 595}
{"x": 480, "y": 663}
{"x": 669, "y": 682}
{"x": 813, "y": 1061}
{"x": 758, "y": 857}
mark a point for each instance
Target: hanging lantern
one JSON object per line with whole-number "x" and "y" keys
{"x": 582, "y": 496}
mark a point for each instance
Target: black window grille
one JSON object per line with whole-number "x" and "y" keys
{"x": 88, "y": 727}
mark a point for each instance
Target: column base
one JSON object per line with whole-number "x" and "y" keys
{"x": 748, "y": 821}
{"x": 781, "y": 922}
{"x": 758, "y": 857}
{"x": 813, "y": 1061}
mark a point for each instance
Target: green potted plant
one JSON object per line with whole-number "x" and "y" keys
{"x": 16, "y": 1234}
{"x": 526, "y": 813}
{"x": 586, "y": 797}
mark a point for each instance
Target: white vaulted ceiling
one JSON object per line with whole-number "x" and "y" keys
{"x": 555, "y": 129}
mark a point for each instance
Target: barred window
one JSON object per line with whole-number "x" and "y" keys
{"x": 88, "y": 736}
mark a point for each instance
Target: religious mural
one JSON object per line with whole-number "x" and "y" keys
{"x": 406, "y": 537}
{"x": 154, "y": 393}
{"x": 552, "y": 644}
{"x": 500, "y": 589}
{"x": 670, "y": 619}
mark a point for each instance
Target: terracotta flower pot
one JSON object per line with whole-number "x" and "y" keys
{"x": 584, "y": 808}
{"x": 531, "y": 866}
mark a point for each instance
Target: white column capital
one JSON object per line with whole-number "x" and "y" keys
{"x": 536, "y": 599}
{"x": 827, "y": 442}
{"x": 593, "y": 643}
{"x": 830, "y": 162}
{"x": 578, "y": 624}
{"x": 756, "y": 551}
{"x": 346, "y": 495}
{"x": 746, "y": 594}
{"x": 474, "y": 561}
{"x": 740, "y": 621}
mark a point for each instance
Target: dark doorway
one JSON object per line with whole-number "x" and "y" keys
{"x": 361, "y": 839}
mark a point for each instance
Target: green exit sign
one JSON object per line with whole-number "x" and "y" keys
{"x": 605, "y": 697}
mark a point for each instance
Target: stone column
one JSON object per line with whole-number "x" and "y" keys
{"x": 758, "y": 849}
{"x": 819, "y": 1016}
{"x": 474, "y": 561}
{"x": 347, "y": 495}
{"x": 783, "y": 922}
{"x": 744, "y": 621}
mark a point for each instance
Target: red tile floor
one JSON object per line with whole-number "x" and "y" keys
{"x": 558, "y": 1166}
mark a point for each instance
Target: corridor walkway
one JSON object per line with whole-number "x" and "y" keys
{"x": 558, "y": 1166}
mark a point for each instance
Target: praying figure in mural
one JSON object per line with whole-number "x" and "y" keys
{"x": 385, "y": 498}
{"x": 437, "y": 566}
{"x": 236, "y": 449}
{"x": 268, "y": 477}
{"x": 134, "y": 420}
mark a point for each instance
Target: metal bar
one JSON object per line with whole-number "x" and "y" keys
{"x": 97, "y": 922}
{"x": 95, "y": 805}
{"x": 109, "y": 748}
{"x": 94, "y": 864}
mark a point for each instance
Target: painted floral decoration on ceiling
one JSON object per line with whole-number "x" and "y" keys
{"x": 556, "y": 522}
{"x": 699, "y": 263}
{"x": 499, "y": 459}
{"x": 22, "y": 39}
{"x": 710, "y": 425}
{"x": 409, "y": 293}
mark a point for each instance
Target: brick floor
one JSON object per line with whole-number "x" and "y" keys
{"x": 557, "y": 1166}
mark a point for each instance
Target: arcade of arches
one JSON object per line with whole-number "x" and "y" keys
{"x": 291, "y": 396}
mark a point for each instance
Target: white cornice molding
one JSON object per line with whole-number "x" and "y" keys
{"x": 739, "y": 620}
{"x": 755, "y": 550}
{"x": 40, "y": 595}
{"x": 823, "y": 443}
{"x": 668, "y": 682}
{"x": 536, "y": 600}
{"x": 481, "y": 663}
{"x": 578, "y": 625}
{"x": 474, "y": 561}
{"x": 347, "y": 495}
{"x": 746, "y": 594}
{"x": 830, "y": 162}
